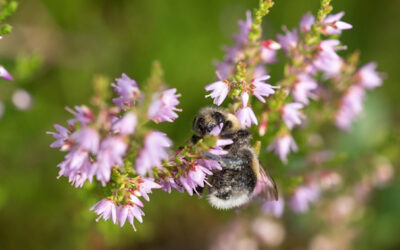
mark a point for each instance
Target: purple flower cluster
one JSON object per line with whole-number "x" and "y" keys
{"x": 315, "y": 58}
{"x": 91, "y": 152}
{"x": 323, "y": 55}
{"x": 351, "y": 104}
{"x": 97, "y": 145}
{"x": 108, "y": 209}
{"x": 88, "y": 154}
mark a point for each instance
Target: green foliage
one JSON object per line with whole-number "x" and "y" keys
{"x": 7, "y": 8}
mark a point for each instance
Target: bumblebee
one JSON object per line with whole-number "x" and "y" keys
{"x": 242, "y": 177}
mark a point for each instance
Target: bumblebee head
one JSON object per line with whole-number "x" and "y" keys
{"x": 207, "y": 119}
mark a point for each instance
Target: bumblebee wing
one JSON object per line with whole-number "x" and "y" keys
{"x": 265, "y": 186}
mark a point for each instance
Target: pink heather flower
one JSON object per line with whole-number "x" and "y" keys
{"x": 61, "y": 138}
{"x": 368, "y": 77}
{"x": 196, "y": 176}
{"x": 217, "y": 149}
{"x": 260, "y": 88}
{"x": 146, "y": 186}
{"x": 110, "y": 154}
{"x": 334, "y": 25}
{"x": 210, "y": 164}
{"x": 289, "y": 40}
{"x": 128, "y": 91}
{"x": 87, "y": 139}
{"x": 306, "y": 22}
{"x": 303, "y": 88}
{"x": 76, "y": 167}
{"x": 164, "y": 106}
{"x": 246, "y": 116}
{"x": 4, "y": 74}
{"x": 244, "y": 26}
{"x": 83, "y": 115}
{"x": 282, "y": 146}
{"x": 245, "y": 98}
{"x": 126, "y": 124}
{"x": 330, "y": 46}
{"x": 153, "y": 152}
{"x": 129, "y": 212}
{"x": 274, "y": 208}
{"x": 268, "y": 51}
{"x": 219, "y": 91}
{"x": 291, "y": 114}
{"x": 327, "y": 60}
{"x": 167, "y": 184}
{"x": 331, "y": 66}
{"x": 106, "y": 209}
{"x": 351, "y": 106}
{"x": 303, "y": 197}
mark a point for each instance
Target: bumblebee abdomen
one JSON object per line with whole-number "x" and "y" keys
{"x": 231, "y": 188}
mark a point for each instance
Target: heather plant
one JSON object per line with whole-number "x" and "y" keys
{"x": 116, "y": 145}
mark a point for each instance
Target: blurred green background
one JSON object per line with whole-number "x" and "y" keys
{"x": 80, "y": 39}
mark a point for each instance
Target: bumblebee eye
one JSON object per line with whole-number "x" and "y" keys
{"x": 219, "y": 118}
